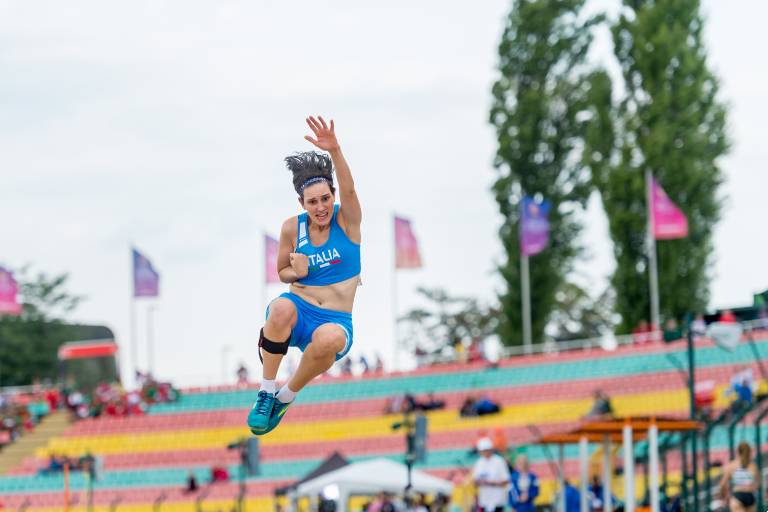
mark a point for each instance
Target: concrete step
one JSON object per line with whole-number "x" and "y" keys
{"x": 53, "y": 425}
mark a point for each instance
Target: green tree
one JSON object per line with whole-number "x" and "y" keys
{"x": 539, "y": 106}
{"x": 447, "y": 320}
{"x": 580, "y": 316}
{"x": 669, "y": 121}
{"x": 29, "y": 342}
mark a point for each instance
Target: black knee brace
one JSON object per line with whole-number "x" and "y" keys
{"x": 271, "y": 347}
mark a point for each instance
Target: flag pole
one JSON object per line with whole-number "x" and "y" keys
{"x": 525, "y": 284}
{"x": 133, "y": 366}
{"x": 652, "y": 263}
{"x": 396, "y": 338}
{"x": 264, "y": 269}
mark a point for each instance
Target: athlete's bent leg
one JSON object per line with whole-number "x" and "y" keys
{"x": 327, "y": 341}
{"x": 277, "y": 332}
{"x": 273, "y": 345}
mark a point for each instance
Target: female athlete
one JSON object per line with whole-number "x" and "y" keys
{"x": 319, "y": 256}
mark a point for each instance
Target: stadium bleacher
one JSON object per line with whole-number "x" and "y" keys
{"x": 143, "y": 457}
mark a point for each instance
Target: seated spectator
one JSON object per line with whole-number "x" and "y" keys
{"x": 742, "y": 392}
{"x": 475, "y": 351}
{"x": 192, "y": 484}
{"x": 601, "y": 406}
{"x": 468, "y": 407}
{"x": 242, "y": 376}
{"x": 699, "y": 326}
{"x": 346, "y": 366}
{"x": 486, "y": 406}
{"x": 364, "y": 364}
{"x": 430, "y": 404}
{"x": 478, "y": 406}
{"x": 671, "y": 331}
{"x": 642, "y": 333}
{"x": 219, "y": 473}
{"x": 378, "y": 365}
{"x": 727, "y": 317}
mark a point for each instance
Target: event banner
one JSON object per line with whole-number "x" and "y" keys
{"x": 146, "y": 280}
{"x": 9, "y": 289}
{"x": 406, "y": 247}
{"x": 534, "y": 226}
{"x": 668, "y": 221}
{"x": 270, "y": 260}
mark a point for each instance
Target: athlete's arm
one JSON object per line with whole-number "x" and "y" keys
{"x": 290, "y": 266}
{"x": 351, "y": 213}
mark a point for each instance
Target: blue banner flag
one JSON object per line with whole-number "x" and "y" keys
{"x": 534, "y": 226}
{"x": 146, "y": 280}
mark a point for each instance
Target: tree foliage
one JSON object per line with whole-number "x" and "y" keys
{"x": 29, "y": 342}
{"x": 670, "y": 122}
{"x": 447, "y": 320}
{"x": 539, "y": 102}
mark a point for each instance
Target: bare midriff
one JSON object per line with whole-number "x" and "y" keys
{"x": 337, "y": 296}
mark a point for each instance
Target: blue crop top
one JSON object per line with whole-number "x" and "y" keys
{"x": 338, "y": 259}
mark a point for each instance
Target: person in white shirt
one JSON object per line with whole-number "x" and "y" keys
{"x": 491, "y": 476}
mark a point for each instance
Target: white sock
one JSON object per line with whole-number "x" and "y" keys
{"x": 286, "y": 395}
{"x": 270, "y": 386}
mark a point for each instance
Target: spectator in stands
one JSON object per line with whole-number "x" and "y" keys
{"x": 742, "y": 387}
{"x": 486, "y": 406}
{"x": 431, "y": 403}
{"x": 641, "y": 333}
{"x": 364, "y": 365}
{"x": 346, "y": 366}
{"x": 740, "y": 481}
{"x": 474, "y": 406}
{"x": 699, "y": 326}
{"x": 192, "y": 484}
{"x": 572, "y": 498}
{"x": 525, "y": 486}
{"x": 242, "y": 376}
{"x": 378, "y": 365}
{"x": 491, "y": 477}
{"x": 219, "y": 473}
{"x": 727, "y": 317}
{"x": 601, "y": 406}
{"x": 672, "y": 331}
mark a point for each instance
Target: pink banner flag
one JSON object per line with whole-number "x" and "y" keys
{"x": 9, "y": 290}
{"x": 668, "y": 221}
{"x": 406, "y": 246}
{"x": 270, "y": 260}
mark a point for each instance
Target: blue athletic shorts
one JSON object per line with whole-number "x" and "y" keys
{"x": 310, "y": 317}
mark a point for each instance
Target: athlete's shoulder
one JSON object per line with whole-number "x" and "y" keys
{"x": 290, "y": 225}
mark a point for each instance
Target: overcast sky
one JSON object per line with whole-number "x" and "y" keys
{"x": 164, "y": 124}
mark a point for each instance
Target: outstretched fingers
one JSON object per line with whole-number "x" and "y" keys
{"x": 310, "y": 139}
{"x": 313, "y": 124}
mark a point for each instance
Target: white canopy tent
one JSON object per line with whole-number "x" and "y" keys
{"x": 371, "y": 477}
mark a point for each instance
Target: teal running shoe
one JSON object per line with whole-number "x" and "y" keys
{"x": 261, "y": 412}
{"x": 278, "y": 411}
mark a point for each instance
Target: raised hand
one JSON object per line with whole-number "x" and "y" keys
{"x": 325, "y": 136}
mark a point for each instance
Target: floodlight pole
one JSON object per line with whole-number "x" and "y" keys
{"x": 692, "y": 403}
{"x": 759, "y": 459}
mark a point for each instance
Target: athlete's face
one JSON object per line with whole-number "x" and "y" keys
{"x": 318, "y": 201}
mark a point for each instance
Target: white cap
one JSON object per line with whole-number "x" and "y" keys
{"x": 484, "y": 444}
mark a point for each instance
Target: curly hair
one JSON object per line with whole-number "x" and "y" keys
{"x": 308, "y": 165}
